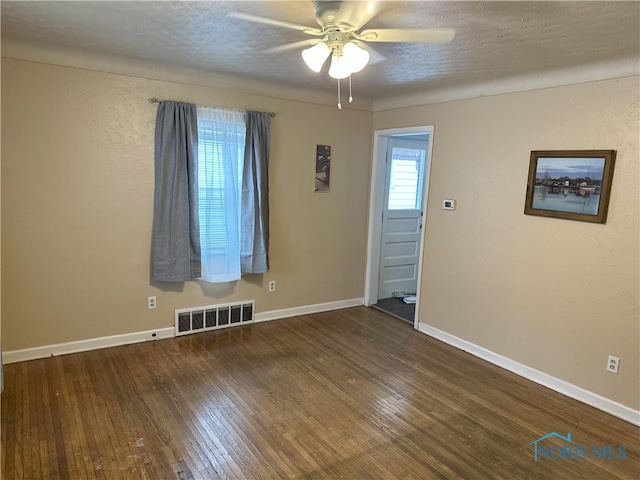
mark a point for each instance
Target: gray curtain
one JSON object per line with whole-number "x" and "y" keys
{"x": 254, "y": 241}
{"x": 175, "y": 250}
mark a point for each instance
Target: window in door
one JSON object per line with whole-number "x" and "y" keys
{"x": 406, "y": 175}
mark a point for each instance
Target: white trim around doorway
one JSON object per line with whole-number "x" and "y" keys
{"x": 380, "y": 139}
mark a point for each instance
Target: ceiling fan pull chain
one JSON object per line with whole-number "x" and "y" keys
{"x": 339, "y": 102}
{"x": 350, "y": 97}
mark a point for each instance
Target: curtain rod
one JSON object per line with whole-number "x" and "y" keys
{"x": 155, "y": 100}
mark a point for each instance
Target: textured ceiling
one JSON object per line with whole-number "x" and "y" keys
{"x": 494, "y": 40}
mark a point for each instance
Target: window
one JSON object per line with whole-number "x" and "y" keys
{"x": 221, "y": 141}
{"x": 407, "y": 170}
{"x": 211, "y": 186}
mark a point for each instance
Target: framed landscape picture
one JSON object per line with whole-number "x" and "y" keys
{"x": 571, "y": 184}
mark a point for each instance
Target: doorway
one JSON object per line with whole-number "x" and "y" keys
{"x": 397, "y": 214}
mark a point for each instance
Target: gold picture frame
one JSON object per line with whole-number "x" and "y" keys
{"x": 570, "y": 184}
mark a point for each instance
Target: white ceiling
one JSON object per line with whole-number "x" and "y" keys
{"x": 494, "y": 40}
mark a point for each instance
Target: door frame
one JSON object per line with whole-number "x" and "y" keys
{"x": 376, "y": 203}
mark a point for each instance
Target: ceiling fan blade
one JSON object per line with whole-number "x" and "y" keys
{"x": 292, "y": 46}
{"x": 276, "y": 23}
{"x": 430, "y": 35}
{"x": 358, "y": 13}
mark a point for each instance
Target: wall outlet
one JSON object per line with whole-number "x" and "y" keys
{"x": 272, "y": 286}
{"x": 613, "y": 363}
{"x": 151, "y": 302}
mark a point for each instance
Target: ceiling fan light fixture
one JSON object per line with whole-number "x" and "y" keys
{"x": 355, "y": 56}
{"x": 339, "y": 67}
{"x": 315, "y": 56}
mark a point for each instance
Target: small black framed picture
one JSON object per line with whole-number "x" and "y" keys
{"x": 322, "y": 168}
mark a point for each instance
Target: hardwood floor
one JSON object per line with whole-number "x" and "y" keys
{"x": 344, "y": 394}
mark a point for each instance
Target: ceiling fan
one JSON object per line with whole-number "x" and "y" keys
{"x": 340, "y": 24}
{"x": 340, "y": 36}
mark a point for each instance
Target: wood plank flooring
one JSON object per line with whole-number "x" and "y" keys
{"x": 348, "y": 394}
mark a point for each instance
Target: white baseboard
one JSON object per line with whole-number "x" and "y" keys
{"x": 602, "y": 403}
{"x": 13, "y": 356}
{"x": 585, "y": 396}
{"x": 307, "y": 309}
{"x": 54, "y": 350}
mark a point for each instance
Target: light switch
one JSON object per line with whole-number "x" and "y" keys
{"x": 449, "y": 204}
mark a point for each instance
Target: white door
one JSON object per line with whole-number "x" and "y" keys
{"x": 402, "y": 216}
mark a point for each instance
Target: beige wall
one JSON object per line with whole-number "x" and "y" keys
{"x": 77, "y": 200}
{"x": 556, "y": 295}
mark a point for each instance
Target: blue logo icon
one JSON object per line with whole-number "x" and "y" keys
{"x": 572, "y": 450}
